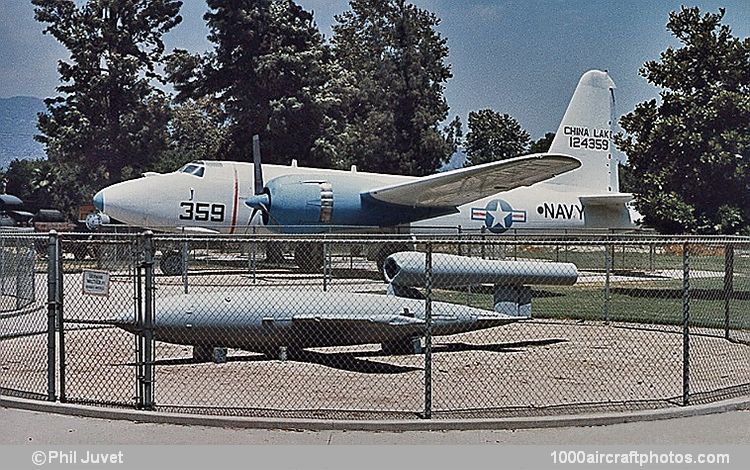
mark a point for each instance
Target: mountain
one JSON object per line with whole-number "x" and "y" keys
{"x": 18, "y": 127}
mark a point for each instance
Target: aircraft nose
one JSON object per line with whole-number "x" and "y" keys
{"x": 99, "y": 201}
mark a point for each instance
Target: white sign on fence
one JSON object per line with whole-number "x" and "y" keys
{"x": 96, "y": 282}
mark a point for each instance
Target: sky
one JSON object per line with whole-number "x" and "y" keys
{"x": 521, "y": 57}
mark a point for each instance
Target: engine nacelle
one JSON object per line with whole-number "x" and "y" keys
{"x": 295, "y": 201}
{"x": 300, "y": 200}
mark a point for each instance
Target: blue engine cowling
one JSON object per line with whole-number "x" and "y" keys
{"x": 304, "y": 203}
{"x": 300, "y": 200}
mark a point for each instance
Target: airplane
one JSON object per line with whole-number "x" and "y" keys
{"x": 573, "y": 185}
{"x": 269, "y": 320}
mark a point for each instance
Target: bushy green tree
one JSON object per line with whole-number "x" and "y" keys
{"x": 269, "y": 71}
{"x": 393, "y": 60}
{"x": 543, "y": 144}
{"x": 43, "y": 184}
{"x": 690, "y": 151}
{"x": 493, "y": 136}
{"x": 196, "y": 132}
{"x": 108, "y": 121}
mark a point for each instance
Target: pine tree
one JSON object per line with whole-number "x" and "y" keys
{"x": 269, "y": 70}
{"x": 108, "y": 122}
{"x": 397, "y": 60}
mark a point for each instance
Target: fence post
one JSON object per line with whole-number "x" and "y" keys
{"x": 52, "y": 265}
{"x": 428, "y": 334}
{"x": 137, "y": 260}
{"x": 607, "y": 274}
{"x": 728, "y": 287}
{"x": 184, "y": 252}
{"x": 2, "y": 266}
{"x": 483, "y": 237}
{"x": 17, "y": 269}
{"x": 651, "y": 250}
{"x": 61, "y": 323}
{"x": 147, "y": 380}
{"x": 326, "y": 266}
{"x": 685, "y": 324}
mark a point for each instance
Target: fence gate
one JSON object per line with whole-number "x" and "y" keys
{"x": 100, "y": 286}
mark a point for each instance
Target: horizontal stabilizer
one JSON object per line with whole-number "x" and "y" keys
{"x": 612, "y": 199}
{"x": 464, "y": 185}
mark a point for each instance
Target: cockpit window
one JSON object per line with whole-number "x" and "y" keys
{"x": 194, "y": 169}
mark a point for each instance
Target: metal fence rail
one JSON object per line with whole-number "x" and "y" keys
{"x": 474, "y": 325}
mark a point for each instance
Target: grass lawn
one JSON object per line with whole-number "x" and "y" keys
{"x": 645, "y": 302}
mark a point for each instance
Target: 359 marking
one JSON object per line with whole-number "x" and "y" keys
{"x": 202, "y": 211}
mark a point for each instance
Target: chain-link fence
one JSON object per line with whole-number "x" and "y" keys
{"x": 333, "y": 327}
{"x": 25, "y": 324}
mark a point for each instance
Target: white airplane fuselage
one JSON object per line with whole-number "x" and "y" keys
{"x": 216, "y": 202}
{"x": 220, "y": 197}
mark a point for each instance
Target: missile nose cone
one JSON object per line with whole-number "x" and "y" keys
{"x": 99, "y": 201}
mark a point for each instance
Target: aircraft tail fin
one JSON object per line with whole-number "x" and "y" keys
{"x": 586, "y": 133}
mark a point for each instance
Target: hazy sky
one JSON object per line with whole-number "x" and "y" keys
{"x": 519, "y": 57}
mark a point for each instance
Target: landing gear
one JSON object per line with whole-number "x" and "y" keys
{"x": 171, "y": 263}
{"x": 309, "y": 256}
{"x": 202, "y": 353}
{"x": 403, "y": 346}
{"x": 274, "y": 253}
{"x": 209, "y": 354}
{"x": 79, "y": 252}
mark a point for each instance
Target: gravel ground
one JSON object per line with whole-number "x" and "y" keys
{"x": 533, "y": 367}
{"x": 530, "y": 365}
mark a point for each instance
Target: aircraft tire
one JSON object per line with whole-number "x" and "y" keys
{"x": 275, "y": 253}
{"x": 171, "y": 263}
{"x": 309, "y": 256}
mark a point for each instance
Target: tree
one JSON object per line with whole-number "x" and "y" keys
{"x": 690, "y": 152}
{"x": 269, "y": 71}
{"x": 196, "y": 132}
{"x": 493, "y": 136}
{"x": 109, "y": 121}
{"x": 454, "y": 134}
{"x": 43, "y": 184}
{"x": 543, "y": 144}
{"x": 395, "y": 59}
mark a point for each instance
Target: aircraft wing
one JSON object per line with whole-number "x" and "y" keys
{"x": 464, "y": 185}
